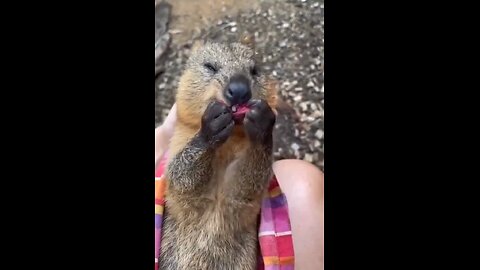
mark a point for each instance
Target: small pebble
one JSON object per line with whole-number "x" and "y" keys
{"x": 304, "y": 106}
{"x": 317, "y": 114}
{"x": 295, "y": 146}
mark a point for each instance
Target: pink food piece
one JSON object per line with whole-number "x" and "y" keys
{"x": 240, "y": 113}
{"x": 242, "y": 109}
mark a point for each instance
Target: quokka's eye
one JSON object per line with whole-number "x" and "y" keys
{"x": 211, "y": 67}
{"x": 254, "y": 71}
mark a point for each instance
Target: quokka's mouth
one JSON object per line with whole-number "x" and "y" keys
{"x": 240, "y": 109}
{"x": 239, "y": 112}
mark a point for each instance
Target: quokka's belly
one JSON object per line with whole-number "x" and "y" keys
{"x": 198, "y": 248}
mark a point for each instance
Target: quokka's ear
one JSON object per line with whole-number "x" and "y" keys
{"x": 272, "y": 97}
{"x": 198, "y": 44}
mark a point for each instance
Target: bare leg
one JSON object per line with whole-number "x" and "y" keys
{"x": 302, "y": 184}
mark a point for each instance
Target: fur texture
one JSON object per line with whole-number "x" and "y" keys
{"x": 217, "y": 173}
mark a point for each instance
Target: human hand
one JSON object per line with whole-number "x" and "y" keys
{"x": 169, "y": 123}
{"x": 164, "y": 132}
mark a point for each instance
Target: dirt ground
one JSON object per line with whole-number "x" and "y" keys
{"x": 188, "y": 16}
{"x": 289, "y": 36}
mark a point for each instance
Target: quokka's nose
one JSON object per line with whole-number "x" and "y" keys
{"x": 238, "y": 90}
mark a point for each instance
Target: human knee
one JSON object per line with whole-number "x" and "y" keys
{"x": 299, "y": 178}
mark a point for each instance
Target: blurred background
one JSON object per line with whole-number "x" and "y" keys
{"x": 289, "y": 36}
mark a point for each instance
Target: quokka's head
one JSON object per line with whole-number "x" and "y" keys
{"x": 228, "y": 73}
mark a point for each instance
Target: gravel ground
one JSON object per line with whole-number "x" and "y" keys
{"x": 289, "y": 36}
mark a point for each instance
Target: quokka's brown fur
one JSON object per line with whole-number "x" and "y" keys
{"x": 213, "y": 196}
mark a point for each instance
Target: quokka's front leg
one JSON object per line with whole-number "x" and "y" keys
{"x": 254, "y": 169}
{"x": 191, "y": 169}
